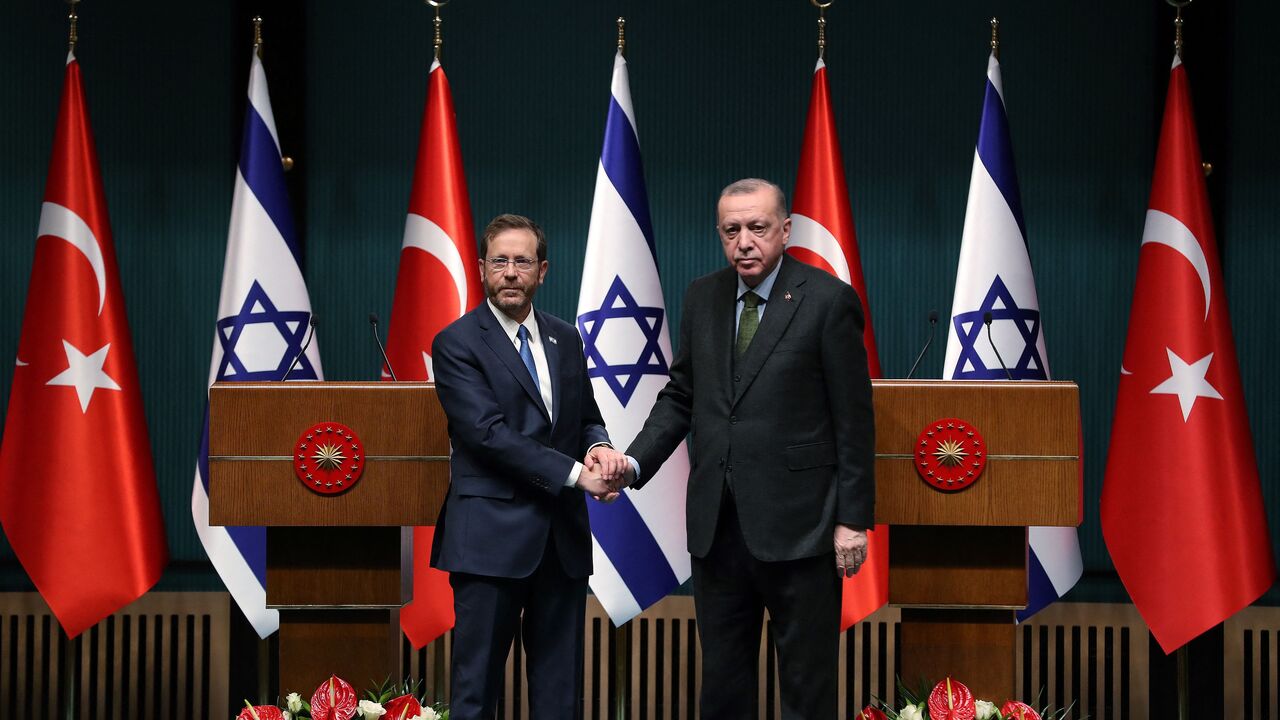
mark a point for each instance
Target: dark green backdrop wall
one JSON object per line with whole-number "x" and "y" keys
{"x": 721, "y": 90}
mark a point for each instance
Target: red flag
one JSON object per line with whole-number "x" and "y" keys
{"x": 1182, "y": 510}
{"x": 822, "y": 235}
{"x": 438, "y": 281}
{"x": 78, "y": 497}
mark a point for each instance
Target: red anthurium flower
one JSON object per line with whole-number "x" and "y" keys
{"x": 870, "y": 713}
{"x": 260, "y": 712}
{"x": 404, "y": 707}
{"x": 951, "y": 700}
{"x": 1018, "y": 711}
{"x": 333, "y": 700}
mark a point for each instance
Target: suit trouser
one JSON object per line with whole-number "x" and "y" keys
{"x": 488, "y": 612}
{"x": 731, "y": 590}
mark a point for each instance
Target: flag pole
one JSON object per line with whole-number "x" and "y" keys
{"x": 620, "y": 648}
{"x": 822, "y": 26}
{"x": 72, "y": 20}
{"x": 439, "y": 42}
{"x": 1184, "y": 690}
{"x": 620, "y": 645}
{"x": 995, "y": 37}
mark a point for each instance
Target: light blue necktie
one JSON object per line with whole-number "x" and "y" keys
{"x": 526, "y": 355}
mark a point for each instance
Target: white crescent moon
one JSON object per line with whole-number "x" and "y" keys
{"x": 430, "y": 238}
{"x": 811, "y": 235}
{"x": 1165, "y": 229}
{"x": 59, "y": 222}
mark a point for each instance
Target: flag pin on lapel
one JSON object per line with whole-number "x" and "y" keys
{"x": 553, "y": 340}
{"x": 787, "y": 297}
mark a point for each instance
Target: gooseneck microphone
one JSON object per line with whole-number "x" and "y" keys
{"x": 933, "y": 324}
{"x": 986, "y": 320}
{"x": 373, "y": 321}
{"x": 311, "y": 333}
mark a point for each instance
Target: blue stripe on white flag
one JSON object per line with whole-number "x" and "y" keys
{"x": 997, "y": 152}
{"x": 264, "y": 174}
{"x": 621, "y": 160}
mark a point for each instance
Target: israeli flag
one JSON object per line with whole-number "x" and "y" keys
{"x": 994, "y": 276}
{"x": 639, "y": 540}
{"x": 263, "y": 316}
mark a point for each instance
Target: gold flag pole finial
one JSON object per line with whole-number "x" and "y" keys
{"x": 257, "y": 36}
{"x": 439, "y": 41}
{"x": 1177, "y": 24}
{"x": 822, "y": 25}
{"x": 622, "y": 34}
{"x": 72, "y": 20}
{"x": 995, "y": 37}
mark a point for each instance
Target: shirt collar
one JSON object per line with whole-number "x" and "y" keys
{"x": 764, "y": 288}
{"x": 511, "y": 327}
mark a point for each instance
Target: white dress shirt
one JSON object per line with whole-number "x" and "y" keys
{"x": 539, "y": 352}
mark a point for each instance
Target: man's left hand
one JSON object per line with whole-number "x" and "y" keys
{"x": 851, "y": 550}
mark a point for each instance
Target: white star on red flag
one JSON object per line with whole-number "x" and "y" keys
{"x": 1187, "y": 382}
{"x": 84, "y": 373}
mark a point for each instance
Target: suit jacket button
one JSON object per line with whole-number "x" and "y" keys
{"x": 733, "y": 419}
{"x": 737, "y": 378}
{"x": 729, "y": 469}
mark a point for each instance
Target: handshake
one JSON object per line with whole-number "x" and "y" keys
{"x": 605, "y": 472}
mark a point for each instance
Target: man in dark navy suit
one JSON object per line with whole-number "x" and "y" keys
{"x": 513, "y": 532}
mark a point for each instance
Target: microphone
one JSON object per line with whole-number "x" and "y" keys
{"x": 933, "y": 323}
{"x": 311, "y": 333}
{"x": 986, "y": 320}
{"x": 373, "y": 321}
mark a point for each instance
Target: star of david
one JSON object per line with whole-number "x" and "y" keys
{"x": 259, "y": 310}
{"x": 969, "y": 327}
{"x": 620, "y": 304}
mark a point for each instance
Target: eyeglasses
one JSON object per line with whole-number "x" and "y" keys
{"x": 498, "y": 264}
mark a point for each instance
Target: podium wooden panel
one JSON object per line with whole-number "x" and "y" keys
{"x": 334, "y": 563}
{"x": 958, "y": 560}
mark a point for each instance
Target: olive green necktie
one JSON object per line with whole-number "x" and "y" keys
{"x": 748, "y": 322}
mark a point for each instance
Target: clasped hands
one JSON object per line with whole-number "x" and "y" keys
{"x": 605, "y": 472}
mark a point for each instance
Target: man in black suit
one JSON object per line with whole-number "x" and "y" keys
{"x": 771, "y": 380}
{"x": 513, "y": 532}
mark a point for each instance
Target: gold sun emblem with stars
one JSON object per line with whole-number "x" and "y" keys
{"x": 329, "y": 456}
{"x": 950, "y": 453}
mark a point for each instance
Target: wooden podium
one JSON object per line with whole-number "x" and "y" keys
{"x": 958, "y": 560}
{"x": 334, "y": 562}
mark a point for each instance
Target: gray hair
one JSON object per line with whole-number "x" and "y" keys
{"x": 746, "y": 186}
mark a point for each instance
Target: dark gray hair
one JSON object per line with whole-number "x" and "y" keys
{"x": 511, "y": 221}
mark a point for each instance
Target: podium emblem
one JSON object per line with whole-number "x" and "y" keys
{"x": 950, "y": 454}
{"x": 328, "y": 458}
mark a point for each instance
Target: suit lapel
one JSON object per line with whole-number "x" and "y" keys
{"x": 723, "y": 308}
{"x": 784, "y": 299}
{"x": 551, "y": 347}
{"x": 496, "y": 338}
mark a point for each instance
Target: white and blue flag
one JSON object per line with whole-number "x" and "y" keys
{"x": 994, "y": 276}
{"x": 639, "y": 541}
{"x": 263, "y": 316}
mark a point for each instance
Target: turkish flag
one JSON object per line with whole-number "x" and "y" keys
{"x": 822, "y": 235}
{"x": 438, "y": 281}
{"x": 78, "y": 497}
{"x": 1182, "y": 509}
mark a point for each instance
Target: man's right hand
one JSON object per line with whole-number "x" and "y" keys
{"x": 590, "y": 481}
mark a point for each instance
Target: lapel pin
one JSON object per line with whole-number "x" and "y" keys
{"x": 787, "y": 296}
{"x": 552, "y": 338}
